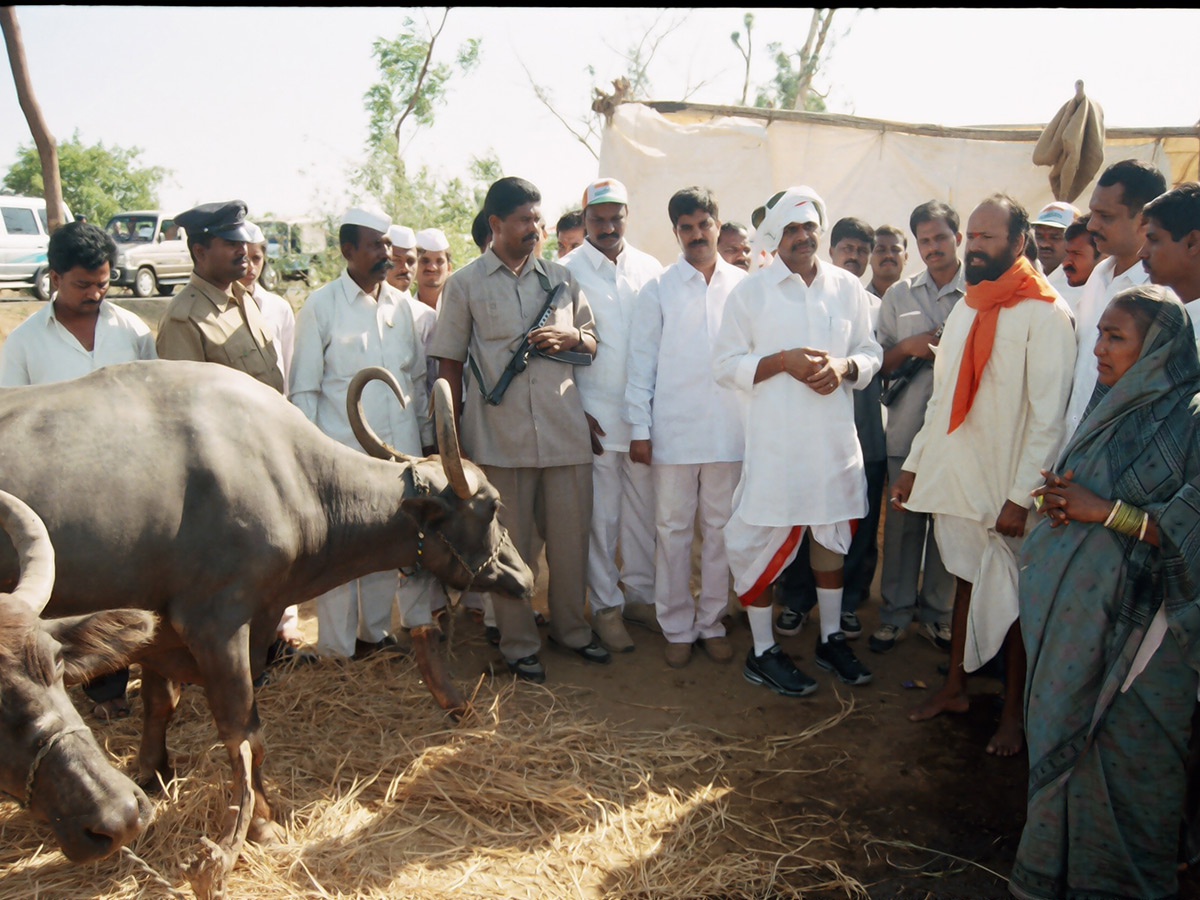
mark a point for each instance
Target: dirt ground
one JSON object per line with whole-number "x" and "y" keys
{"x": 925, "y": 812}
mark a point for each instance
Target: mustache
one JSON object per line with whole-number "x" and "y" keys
{"x": 383, "y": 265}
{"x": 976, "y": 257}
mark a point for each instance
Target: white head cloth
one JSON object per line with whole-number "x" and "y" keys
{"x": 432, "y": 239}
{"x": 798, "y": 204}
{"x": 368, "y": 218}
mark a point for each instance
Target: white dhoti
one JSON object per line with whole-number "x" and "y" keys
{"x": 759, "y": 553}
{"x": 362, "y": 608}
{"x": 988, "y": 560}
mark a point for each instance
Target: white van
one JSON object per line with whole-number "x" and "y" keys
{"x": 24, "y": 236}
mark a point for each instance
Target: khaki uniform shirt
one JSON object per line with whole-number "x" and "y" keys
{"x": 207, "y": 324}
{"x": 486, "y": 310}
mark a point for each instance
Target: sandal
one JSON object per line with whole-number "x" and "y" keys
{"x": 108, "y": 710}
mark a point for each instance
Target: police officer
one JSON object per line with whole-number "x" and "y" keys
{"x": 214, "y": 319}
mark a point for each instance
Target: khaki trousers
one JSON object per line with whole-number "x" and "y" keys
{"x": 554, "y": 505}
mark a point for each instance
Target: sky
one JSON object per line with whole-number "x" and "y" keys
{"x": 266, "y": 104}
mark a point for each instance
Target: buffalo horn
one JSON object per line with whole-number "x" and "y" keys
{"x": 35, "y": 553}
{"x": 370, "y": 441}
{"x": 447, "y": 439}
{"x": 432, "y": 667}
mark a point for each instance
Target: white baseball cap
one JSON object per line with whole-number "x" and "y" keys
{"x": 1057, "y": 215}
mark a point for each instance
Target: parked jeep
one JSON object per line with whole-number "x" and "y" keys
{"x": 294, "y": 248}
{"x": 152, "y": 253}
{"x": 24, "y": 236}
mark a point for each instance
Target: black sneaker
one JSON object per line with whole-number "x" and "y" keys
{"x": 790, "y": 622}
{"x": 851, "y": 627}
{"x": 592, "y": 651}
{"x": 775, "y": 669}
{"x": 528, "y": 668}
{"x": 836, "y": 656}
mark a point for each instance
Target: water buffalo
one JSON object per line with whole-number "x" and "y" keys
{"x": 191, "y": 491}
{"x": 49, "y": 760}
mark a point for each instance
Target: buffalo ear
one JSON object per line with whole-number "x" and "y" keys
{"x": 101, "y": 642}
{"x": 430, "y": 511}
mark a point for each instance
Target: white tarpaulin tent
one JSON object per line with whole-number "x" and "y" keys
{"x": 868, "y": 168}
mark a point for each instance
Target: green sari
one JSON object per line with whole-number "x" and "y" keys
{"x": 1107, "y": 768}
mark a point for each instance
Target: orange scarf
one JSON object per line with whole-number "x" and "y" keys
{"x": 1021, "y": 282}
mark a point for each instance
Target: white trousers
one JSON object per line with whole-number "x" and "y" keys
{"x": 622, "y": 513}
{"x": 680, "y": 492}
{"x": 363, "y": 608}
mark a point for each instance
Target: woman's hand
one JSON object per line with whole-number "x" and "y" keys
{"x": 1065, "y": 501}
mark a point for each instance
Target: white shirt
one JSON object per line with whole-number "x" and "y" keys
{"x": 41, "y": 350}
{"x": 611, "y": 289}
{"x": 425, "y": 318}
{"x": 672, "y": 398}
{"x": 803, "y": 463}
{"x": 280, "y": 324}
{"x": 1015, "y": 423}
{"x": 1058, "y": 281}
{"x": 1101, "y": 287}
{"x": 341, "y": 330}
{"x": 1193, "y": 311}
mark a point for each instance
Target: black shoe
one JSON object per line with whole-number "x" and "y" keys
{"x": 281, "y": 651}
{"x": 790, "y": 622}
{"x": 591, "y": 651}
{"x": 775, "y": 669}
{"x": 836, "y": 656}
{"x": 492, "y": 633}
{"x": 367, "y": 649}
{"x": 528, "y": 668}
{"x": 851, "y": 627}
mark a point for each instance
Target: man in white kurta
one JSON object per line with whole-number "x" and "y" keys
{"x": 349, "y": 324}
{"x": 612, "y": 273}
{"x": 795, "y": 340}
{"x": 1115, "y": 222}
{"x": 74, "y": 334}
{"x": 981, "y": 450}
{"x": 686, "y": 427}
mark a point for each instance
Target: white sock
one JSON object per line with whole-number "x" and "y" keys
{"x": 760, "y": 628}
{"x": 829, "y": 602}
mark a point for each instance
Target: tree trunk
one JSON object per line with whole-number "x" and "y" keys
{"x": 47, "y": 147}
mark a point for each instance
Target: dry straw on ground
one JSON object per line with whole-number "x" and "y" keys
{"x": 381, "y": 796}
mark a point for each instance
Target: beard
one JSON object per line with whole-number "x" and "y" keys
{"x": 981, "y": 267}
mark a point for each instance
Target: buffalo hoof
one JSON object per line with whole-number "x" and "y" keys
{"x": 153, "y": 784}
{"x": 266, "y": 833}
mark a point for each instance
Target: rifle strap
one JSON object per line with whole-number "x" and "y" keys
{"x": 544, "y": 282}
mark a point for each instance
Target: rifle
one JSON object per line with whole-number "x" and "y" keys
{"x": 520, "y": 358}
{"x": 904, "y": 374}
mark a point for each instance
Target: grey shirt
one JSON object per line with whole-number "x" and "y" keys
{"x": 486, "y": 310}
{"x": 910, "y": 306}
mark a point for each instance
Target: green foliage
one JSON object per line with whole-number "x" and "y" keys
{"x": 781, "y": 92}
{"x": 420, "y": 201}
{"x": 401, "y": 87}
{"x": 411, "y": 87}
{"x": 97, "y": 181}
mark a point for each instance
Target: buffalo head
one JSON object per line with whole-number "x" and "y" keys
{"x": 464, "y": 544}
{"x": 49, "y": 760}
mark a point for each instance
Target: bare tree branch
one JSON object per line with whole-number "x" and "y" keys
{"x": 46, "y": 145}
{"x": 412, "y": 100}
{"x": 544, "y": 97}
{"x": 810, "y": 55}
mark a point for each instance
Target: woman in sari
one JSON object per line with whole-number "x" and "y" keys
{"x": 1111, "y": 619}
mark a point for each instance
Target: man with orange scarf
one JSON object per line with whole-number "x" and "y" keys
{"x": 1001, "y": 381}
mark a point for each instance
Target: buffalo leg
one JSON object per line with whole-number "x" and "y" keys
{"x": 231, "y": 699}
{"x": 160, "y": 697}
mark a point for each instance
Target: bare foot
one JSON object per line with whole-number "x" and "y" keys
{"x": 1009, "y": 738}
{"x": 946, "y": 700}
{"x": 109, "y": 710}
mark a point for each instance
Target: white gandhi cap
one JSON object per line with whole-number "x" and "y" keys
{"x": 432, "y": 239}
